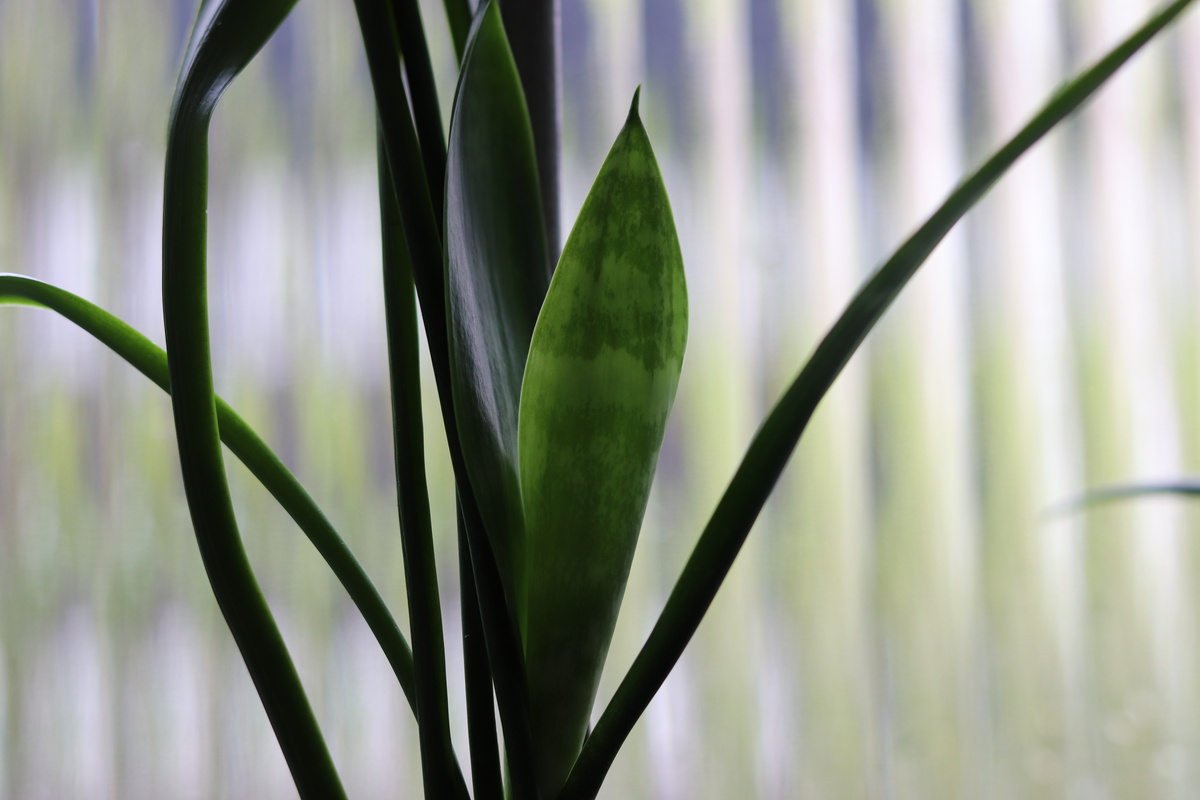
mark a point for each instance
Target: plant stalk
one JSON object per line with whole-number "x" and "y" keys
{"x": 534, "y": 29}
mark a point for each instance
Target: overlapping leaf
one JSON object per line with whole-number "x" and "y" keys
{"x": 497, "y": 271}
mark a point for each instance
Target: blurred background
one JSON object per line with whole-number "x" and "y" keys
{"x": 906, "y": 622}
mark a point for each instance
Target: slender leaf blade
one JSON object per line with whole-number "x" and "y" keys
{"x": 249, "y": 448}
{"x": 486, "y": 777}
{"x": 1182, "y": 487}
{"x": 227, "y": 35}
{"x": 414, "y": 55}
{"x": 458, "y": 17}
{"x": 775, "y": 440}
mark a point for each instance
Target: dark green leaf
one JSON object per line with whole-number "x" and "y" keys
{"x": 496, "y": 276}
{"x": 603, "y": 368}
{"x": 533, "y": 33}
{"x": 227, "y": 35}
{"x": 151, "y": 360}
{"x": 486, "y": 777}
{"x": 409, "y": 180}
{"x": 458, "y": 17}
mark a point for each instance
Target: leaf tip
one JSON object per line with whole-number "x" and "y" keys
{"x": 633, "y": 107}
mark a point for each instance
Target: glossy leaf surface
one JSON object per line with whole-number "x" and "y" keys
{"x": 599, "y": 384}
{"x": 496, "y": 275}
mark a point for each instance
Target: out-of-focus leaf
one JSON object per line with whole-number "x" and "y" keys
{"x": 496, "y": 276}
{"x": 601, "y": 378}
{"x": 1131, "y": 491}
{"x": 775, "y": 440}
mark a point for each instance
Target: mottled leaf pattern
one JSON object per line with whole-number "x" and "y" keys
{"x": 600, "y": 381}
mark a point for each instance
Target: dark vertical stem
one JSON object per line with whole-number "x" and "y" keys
{"x": 534, "y": 29}
{"x": 185, "y": 318}
{"x": 409, "y": 33}
{"x": 481, "y": 717}
{"x": 503, "y": 649}
{"x": 439, "y": 768}
{"x": 424, "y": 247}
{"x": 458, "y": 15}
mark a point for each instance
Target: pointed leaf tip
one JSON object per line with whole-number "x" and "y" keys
{"x": 599, "y": 382}
{"x": 633, "y": 107}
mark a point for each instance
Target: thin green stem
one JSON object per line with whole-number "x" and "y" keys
{"x": 421, "y": 235}
{"x": 772, "y": 446}
{"x": 185, "y": 313}
{"x": 533, "y": 28}
{"x": 486, "y": 778}
{"x": 227, "y": 34}
{"x": 504, "y": 654}
{"x": 1132, "y": 491}
{"x": 458, "y": 15}
{"x": 414, "y": 201}
{"x": 414, "y": 56}
{"x": 151, "y": 360}
{"x": 440, "y": 768}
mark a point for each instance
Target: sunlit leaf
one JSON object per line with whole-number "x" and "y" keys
{"x": 776, "y": 438}
{"x": 599, "y": 384}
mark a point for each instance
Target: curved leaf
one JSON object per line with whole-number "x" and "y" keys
{"x": 601, "y": 378}
{"x": 775, "y": 440}
{"x": 151, "y": 360}
{"x": 228, "y": 33}
{"x": 1130, "y": 491}
{"x": 496, "y": 276}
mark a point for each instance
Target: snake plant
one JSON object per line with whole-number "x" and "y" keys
{"x": 555, "y": 377}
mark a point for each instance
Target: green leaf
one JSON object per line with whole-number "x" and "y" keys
{"x": 248, "y": 447}
{"x": 151, "y": 360}
{"x": 1131, "y": 491}
{"x": 775, "y": 440}
{"x": 486, "y": 777}
{"x": 497, "y": 271}
{"x": 599, "y": 384}
{"x": 228, "y": 33}
{"x": 407, "y": 165}
{"x": 458, "y": 17}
